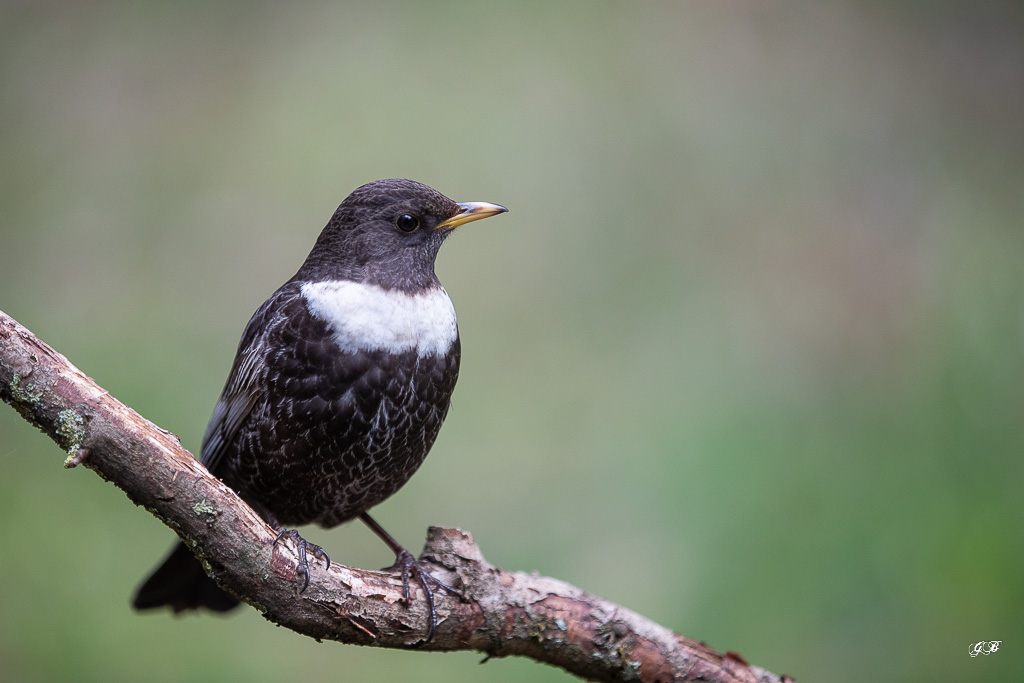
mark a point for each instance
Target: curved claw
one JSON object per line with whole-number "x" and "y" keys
{"x": 410, "y": 565}
{"x": 303, "y": 547}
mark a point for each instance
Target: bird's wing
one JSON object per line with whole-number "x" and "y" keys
{"x": 228, "y": 415}
{"x": 246, "y": 384}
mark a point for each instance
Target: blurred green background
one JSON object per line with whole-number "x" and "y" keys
{"x": 747, "y": 355}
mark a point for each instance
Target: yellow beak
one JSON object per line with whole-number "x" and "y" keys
{"x": 471, "y": 211}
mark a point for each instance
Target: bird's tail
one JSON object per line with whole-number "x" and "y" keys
{"x": 181, "y": 583}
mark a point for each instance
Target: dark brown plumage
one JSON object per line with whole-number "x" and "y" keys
{"x": 341, "y": 381}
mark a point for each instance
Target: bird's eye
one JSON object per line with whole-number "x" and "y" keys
{"x": 408, "y": 222}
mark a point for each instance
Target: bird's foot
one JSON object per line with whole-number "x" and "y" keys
{"x": 303, "y": 547}
{"x": 409, "y": 565}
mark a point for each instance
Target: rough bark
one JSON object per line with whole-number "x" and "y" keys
{"x": 501, "y": 613}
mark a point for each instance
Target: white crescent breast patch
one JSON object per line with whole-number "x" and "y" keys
{"x": 366, "y": 317}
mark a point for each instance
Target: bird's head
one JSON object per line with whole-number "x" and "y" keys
{"x": 388, "y": 233}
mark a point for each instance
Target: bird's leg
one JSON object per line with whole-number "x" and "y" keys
{"x": 303, "y": 547}
{"x": 410, "y": 565}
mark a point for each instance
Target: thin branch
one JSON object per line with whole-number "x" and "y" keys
{"x": 502, "y": 613}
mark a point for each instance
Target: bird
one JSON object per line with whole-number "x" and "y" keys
{"x": 340, "y": 384}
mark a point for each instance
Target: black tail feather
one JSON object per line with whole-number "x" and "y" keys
{"x": 181, "y": 583}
